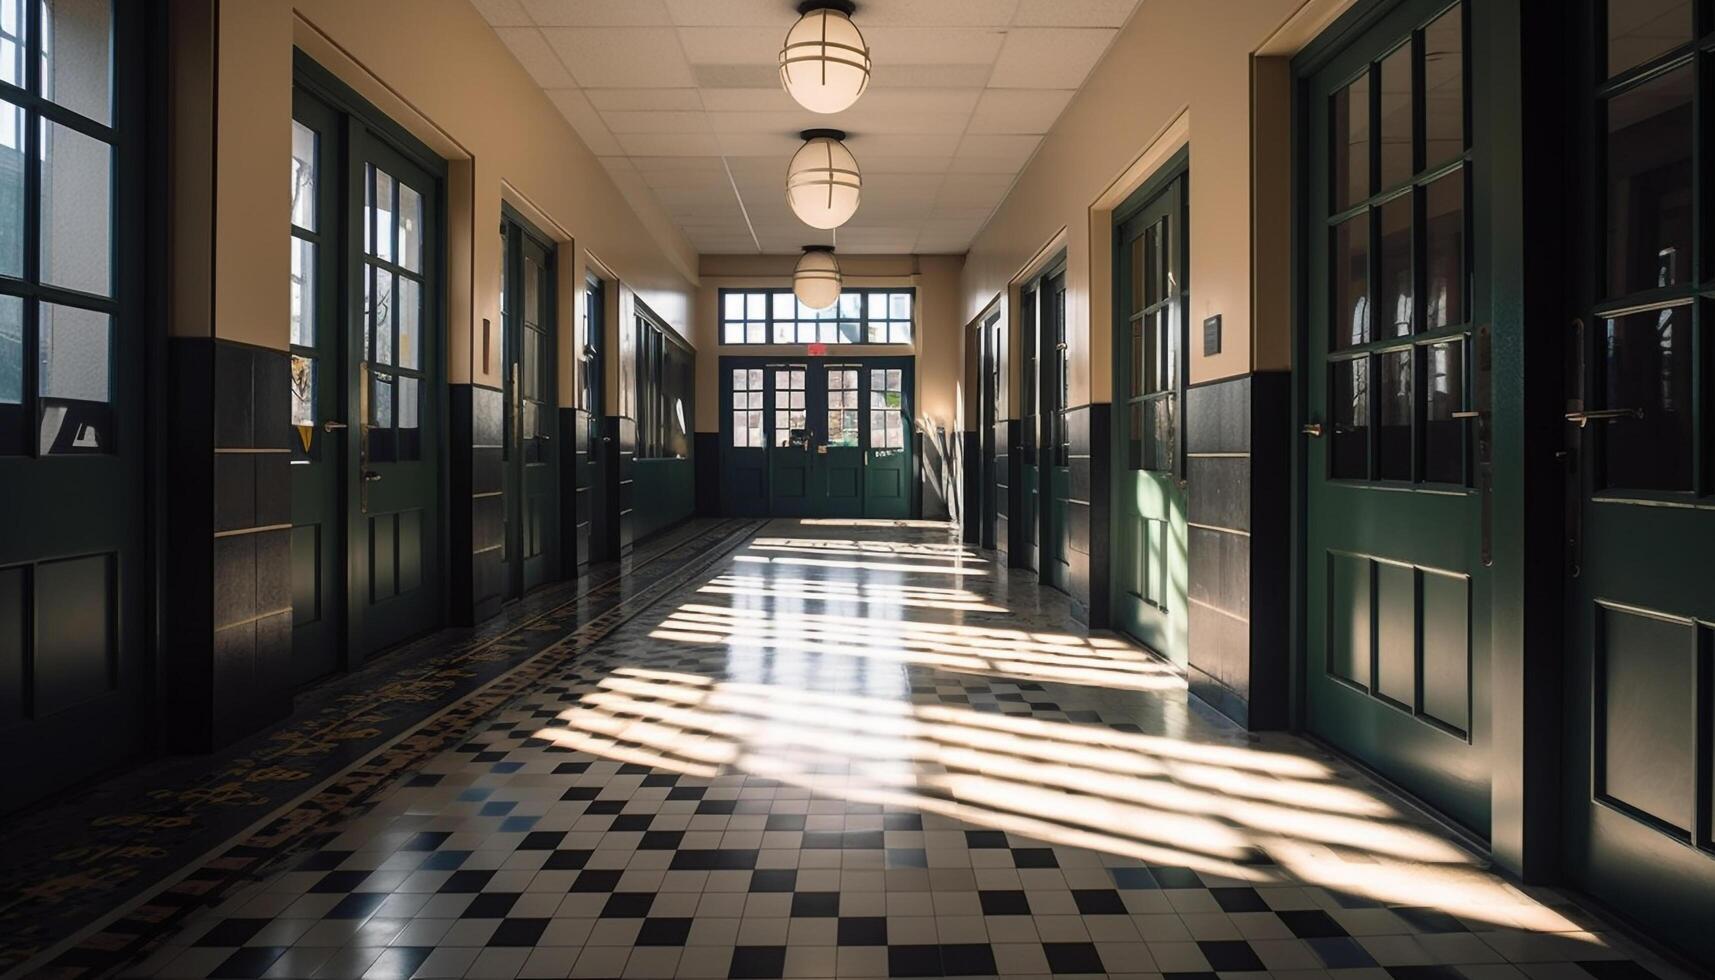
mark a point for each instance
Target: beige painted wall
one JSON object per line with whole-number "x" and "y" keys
{"x": 436, "y": 68}
{"x": 1180, "y": 71}
{"x": 938, "y": 345}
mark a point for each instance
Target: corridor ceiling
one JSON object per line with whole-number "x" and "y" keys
{"x": 681, "y": 100}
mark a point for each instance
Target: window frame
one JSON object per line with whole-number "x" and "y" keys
{"x": 864, "y": 321}
{"x": 1365, "y": 212}
{"x": 20, "y": 422}
{"x": 665, "y": 371}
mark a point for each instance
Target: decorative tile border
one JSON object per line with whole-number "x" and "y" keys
{"x": 362, "y": 730}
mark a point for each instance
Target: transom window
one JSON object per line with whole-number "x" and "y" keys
{"x": 1399, "y": 262}
{"x": 747, "y": 408}
{"x": 774, "y": 316}
{"x": 57, "y": 280}
{"x": 886, "y": 408}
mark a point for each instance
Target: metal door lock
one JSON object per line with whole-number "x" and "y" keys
{"x": 1312, "y": 429}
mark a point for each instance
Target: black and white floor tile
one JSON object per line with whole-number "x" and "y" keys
{"x": 856, "y": 750}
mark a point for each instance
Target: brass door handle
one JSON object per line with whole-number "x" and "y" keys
{"x": 331, "y": 426}
{"x": 1312, "y": 429}
{"x": 1581, "y": 419}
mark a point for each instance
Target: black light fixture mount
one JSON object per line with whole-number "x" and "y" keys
{"x": 846, "y": 7}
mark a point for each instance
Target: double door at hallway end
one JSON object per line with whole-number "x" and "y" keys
{"x": 817, "y": 437}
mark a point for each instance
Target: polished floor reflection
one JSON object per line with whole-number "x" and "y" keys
{"x": 864, "y": 750}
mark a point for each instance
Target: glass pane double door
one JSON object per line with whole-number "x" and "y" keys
{"x": 837, "y": 436}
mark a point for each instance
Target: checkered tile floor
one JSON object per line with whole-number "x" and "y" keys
{"x": 865, "y": 751}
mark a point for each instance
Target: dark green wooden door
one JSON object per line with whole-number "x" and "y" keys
{"x": 393, "y": 536}
{"x": 590, "y": 459}
{"x": 1397, "y": 668}
{"x": 1029, "y": 506}
{"x": 887, "y": 435}
{"x": 531, "y": 435}
{"x": 744, "y": 444}
{"x": 1641, "y": 678}
{"x": 840, "y": 452}
{"x": 1056, "y": 565}
{"x": 1150, "y": 543}
{"x": 792, "y": 470}
{"x": 988, "y": 438}
{"x": 320, "y": 419}
{"x": 74, "y": 671}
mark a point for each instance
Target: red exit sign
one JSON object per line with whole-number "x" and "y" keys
{"x": 818, "y": 350}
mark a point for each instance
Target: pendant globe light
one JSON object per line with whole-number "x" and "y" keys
{"x": 822, "y": 181}
{"x": 816, "y": 281}
{"x": 824, "y": 63}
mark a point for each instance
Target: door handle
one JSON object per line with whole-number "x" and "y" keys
{"x": 331, "y": 426}
{"x": 370, "y": 476}
{"x": 1581, "y": 419}
{"x": 1312, "y": 429}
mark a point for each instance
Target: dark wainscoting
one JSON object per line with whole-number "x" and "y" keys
{"x": 227, "y": 604}
{"x": 1002, "y": 482}
{"x": 1087, "y": 511}
{"x": 1238, "y": 443}
{"x": 706, "y": 453}
{"x": 477, "y": 578}
{"x": 970, "y": 502}
{"x": 663, "y": 493}
{"x": 621, "y": 450}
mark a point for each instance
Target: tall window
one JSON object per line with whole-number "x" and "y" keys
{"x": 1154, "y": 366}
{"x": 774, "y": 316}
{"x": 886, "y": 408}
{"x": 57, "y": 284}
{"x": 392, "y": 273}
{"x": 1399, "y": 264}
{"x": 747, "y": 408}
{"x": 664, "y": 380}
{"x": 843, "y": 415}
{"x": 306, "y": 242}
{"x": 791, "y": 418}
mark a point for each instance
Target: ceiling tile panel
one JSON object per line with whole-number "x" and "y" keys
{"x": 983, "y": 153}
{"x": 597, "y": 13}
{"x": 577, "y": 109}
{"x": 645, "y": 99}
{"x": 537, "y": 56}
{"x": 731, "y": 45}
{"x": 1019, "y": 110}
{"x": 669, "y": 144}
{"x": 621, "y": 57}
{"x": 503, "y": 13}
{"x": 1073, "y": 13}
{"x": 1037, "y": 57}
{"x": 932, "y": 46}
{"x": 937, "y": 13}
{"x": 656, "y": 122}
